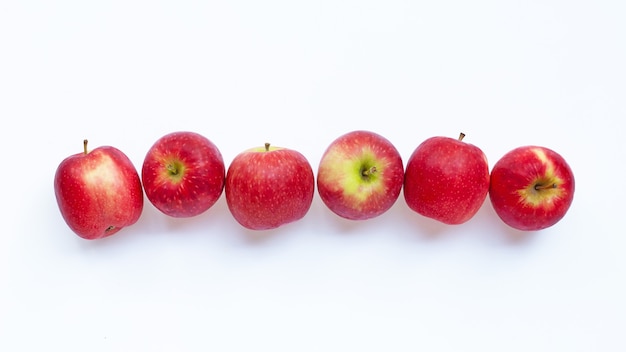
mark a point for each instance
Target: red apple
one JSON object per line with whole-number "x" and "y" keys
{"x": 360, "y": 175}
{"x": 183, "y": 174}
{"x": 446, "y": 179}
{"x": 98, "y": 192}
{"x": 268, "y": 187}
{"x": 531, "y": 188}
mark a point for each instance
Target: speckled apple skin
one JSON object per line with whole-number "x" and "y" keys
{"x": 340, "y": 181}
{"x": 512, "y": 192}
{"x": 98, "y": 193}
{"x": 201, "y": 179}
{"x": 268, "y": 189}
{"x": 446, "y": 179}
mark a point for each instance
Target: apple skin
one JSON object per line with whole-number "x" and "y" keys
{"x": 446, "y": 179}
{"x": 183, "y": 174}
{"x": 360, "y": 175}
{"x": 268, "y": 187}
{"x": 98, "y": 192}
{"x": 532, "y": 188}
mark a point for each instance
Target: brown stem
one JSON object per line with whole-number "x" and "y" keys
{"x": 369, "y": 171}
{"x": 267, "y": 147}
{"x": 461, "y": 136}
{"x": 85, "y": 146}
{"x": 547, "y": 186}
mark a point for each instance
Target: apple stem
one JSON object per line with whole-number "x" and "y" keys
{"x": 542, "y": 187}
{"x": 267, "y": 147}
{"x": 172, "y": 169}
{"x": 85, "y": 146}
{"x": 369, "y": 171}
{"x": 461, "y": 136}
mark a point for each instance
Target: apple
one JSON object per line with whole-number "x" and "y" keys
{"x": 446, "y": 179}
{"x": 183, "y": 174}
{"x": 360, "y": 175}
{"x": 98, "y": 192}
{"x": 267, "y": 187}
{"x": 531, "y": 188}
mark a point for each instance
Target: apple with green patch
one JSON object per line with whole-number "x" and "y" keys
{"x": 360, "y": 175}
{"x": 267, "y": 187}
{"x": 531, "y": 188}
{"x": 183, "y": 174}
{"x": 98, "y": 192}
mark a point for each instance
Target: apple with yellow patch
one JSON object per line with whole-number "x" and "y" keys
{"x": 531, "y": 188}
{"x": 360, "y": 175}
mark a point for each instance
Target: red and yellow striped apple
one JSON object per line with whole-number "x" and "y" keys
{"x": 183, "y": 174}
{"x": 531, "y": 188}
{"x": 98, "y": 192}
{"x": 446, "y": 179}
{"x": 267, "y": 187}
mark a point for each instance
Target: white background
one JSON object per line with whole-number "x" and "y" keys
{"x": 299, "y": 74}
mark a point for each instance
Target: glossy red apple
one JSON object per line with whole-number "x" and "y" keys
{"x": 183, "y": 174}
{"x": 268, "y": 187}
{"x": 360, "y": 175}
{"x": 446, "y": 179}
{"x": 531, "y": 188}
{"x": 98, "y": 192}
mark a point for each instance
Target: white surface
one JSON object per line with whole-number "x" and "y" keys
{"x": 298, "y": 75}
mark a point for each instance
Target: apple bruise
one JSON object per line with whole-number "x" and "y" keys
{"x": 544, "y": 191}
